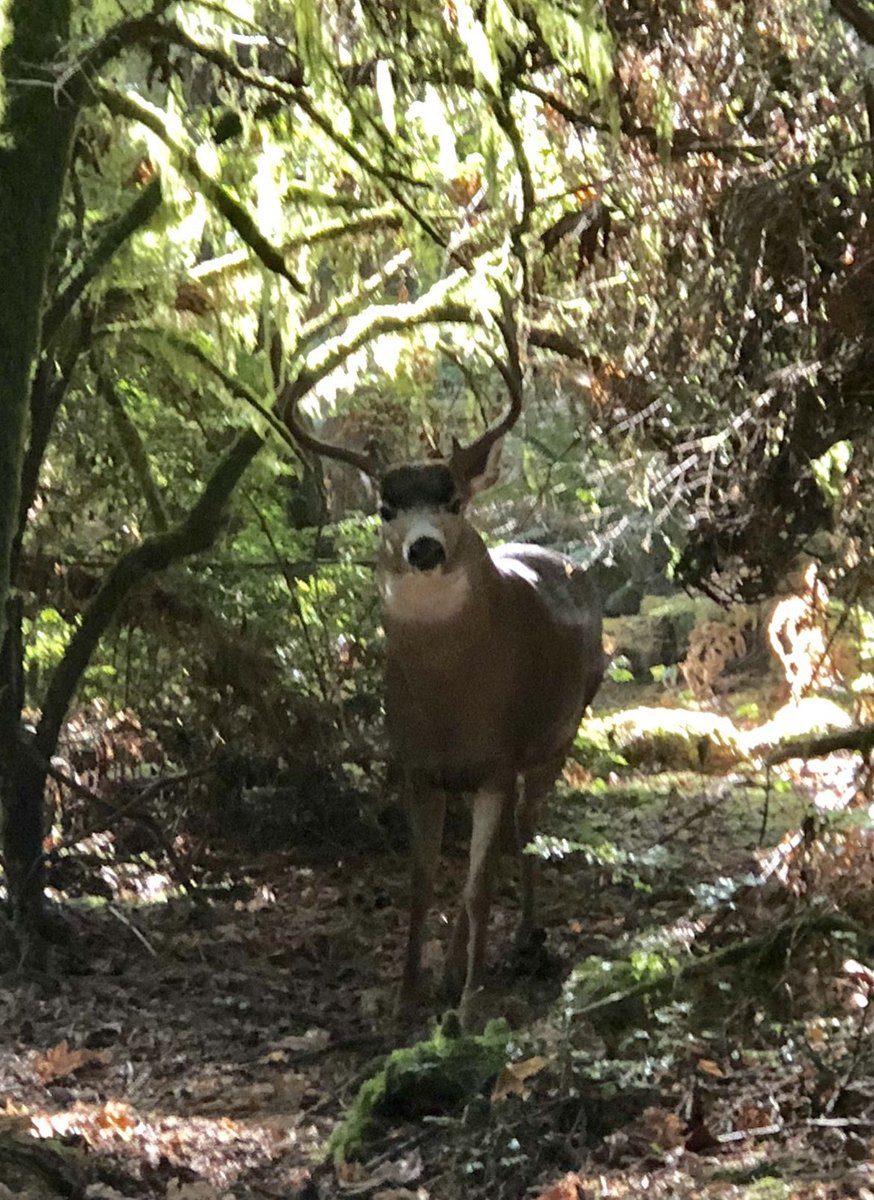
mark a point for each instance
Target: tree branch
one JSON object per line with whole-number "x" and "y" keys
{"x": 434, "y": 306}
{"x": 235, "y": 386}
{"x": 387, "y": 217}
{"x": 131, "y": 31}
{"x": 197, "y": 531}
{"x": 684, "y": 141}
{"x": 860, "y": 739}
{"x": 860, "y": 16}
{"x": 112, "y": 239}
{"x": 239, "y": 218}
{"x": 559, "y": 343}
{"x": 133, "y": 447}
{"x": 345, "y": 305}
{"x": 293, "y": 93}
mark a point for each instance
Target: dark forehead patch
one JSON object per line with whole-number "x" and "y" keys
{"x": 418, "y": 485}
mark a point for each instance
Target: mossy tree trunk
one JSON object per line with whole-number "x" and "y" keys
{"x": 193, "y": 534}
{"x": 36, "y": 136}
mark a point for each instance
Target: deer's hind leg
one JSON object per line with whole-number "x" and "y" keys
{"x": 536, "y": 786}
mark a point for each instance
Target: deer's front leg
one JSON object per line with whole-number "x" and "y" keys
{"x": 488, "y": 806}
{"x": 426, "y": 808}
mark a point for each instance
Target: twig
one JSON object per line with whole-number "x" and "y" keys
{"x": 859, "y": 1045}
{"x": 135, "y": 108}
{"x": 741, "y": 1135}
{"x": 119, "y": 916}
{"x": 840, "y": 1122}
{"x": 118, "y": 814}
{"x": 784, "y": 936}
{"x": 766, "y": 806}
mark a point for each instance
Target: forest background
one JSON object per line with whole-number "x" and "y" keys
{"x": 208, "y": 209}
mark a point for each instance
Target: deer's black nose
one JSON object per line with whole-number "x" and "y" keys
{"x": 426, "y": 553}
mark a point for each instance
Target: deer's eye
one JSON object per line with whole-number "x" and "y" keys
{"x": 455, "y": 505}
{"x": 386, "y": 512}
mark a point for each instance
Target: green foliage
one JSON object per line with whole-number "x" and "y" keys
{"x": 618, "y": 671}
{"x": 430, "y": 1078}
{"x": 674, "y": 205}
{"x": 596, "y": 979}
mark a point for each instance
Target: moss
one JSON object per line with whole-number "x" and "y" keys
{"x": 428, "y": 1079}
{"x": 671, "y": 739}
{"x": 768, "y": 1188}
{"x": 659, "y": 634}
{"x": 684, "y": 611}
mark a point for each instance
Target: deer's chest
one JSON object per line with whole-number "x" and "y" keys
{"x": 447, "y": 698}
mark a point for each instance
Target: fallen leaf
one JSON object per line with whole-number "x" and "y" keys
{"x": 60, "y": 1061}
{"x": 709, "y": 1067}
{"x": 662, "y": 1128}
{"x": 511, "y": 1081}
{"x": 569, "y": 1187}
{"x": 753, "y": 1117}
{"x": 118, "y": 1118}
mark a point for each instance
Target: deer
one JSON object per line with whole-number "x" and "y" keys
{"x": 492, "y": 657}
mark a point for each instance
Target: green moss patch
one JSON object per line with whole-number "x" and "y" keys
{"x": 432, "y": 1078}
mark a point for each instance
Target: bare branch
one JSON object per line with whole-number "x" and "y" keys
{"x": 196, "y": 531}
{"x": 860, "y": 739}
{"x": 346, "y": 304}
{"x": 132, "y": 444}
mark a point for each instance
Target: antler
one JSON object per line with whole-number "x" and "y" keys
{"x": 470, "y": 460}
{"x": 287, "y": 404}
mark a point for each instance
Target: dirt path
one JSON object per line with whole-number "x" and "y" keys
{"x": 206, "y": 1050}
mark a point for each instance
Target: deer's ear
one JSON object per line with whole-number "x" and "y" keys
{"x": 485, "y": 473}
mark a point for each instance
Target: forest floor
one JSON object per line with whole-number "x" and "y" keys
{"x": 197, "y": 1049}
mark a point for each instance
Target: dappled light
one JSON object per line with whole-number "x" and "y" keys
{"x": 436, "y": 600}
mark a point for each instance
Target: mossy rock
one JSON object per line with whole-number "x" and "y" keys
{"x": 429, "y": 1079}
{"x": 807, "y": 718}
{"x": 672, "y": 739}
{"x": 659, "y": 634}
{"x": 680, "y": 739}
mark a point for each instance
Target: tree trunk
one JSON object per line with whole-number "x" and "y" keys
{"x": 35, "y": 139}
{"x": 25, "y": 765}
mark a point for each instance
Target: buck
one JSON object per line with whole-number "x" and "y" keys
{"x": 492, "y": 658}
